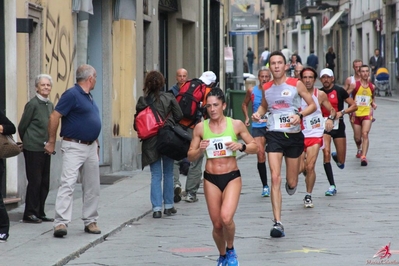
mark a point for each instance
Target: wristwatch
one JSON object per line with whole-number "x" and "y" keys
{"x": 331, "y": 117}
{"x": 244, "y": 147}
{"x": 300, "y": 115}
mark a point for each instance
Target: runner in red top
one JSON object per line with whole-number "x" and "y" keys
{"x": 337, "y": 97}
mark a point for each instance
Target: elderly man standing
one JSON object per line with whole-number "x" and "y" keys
{"x": 80, "y": 128}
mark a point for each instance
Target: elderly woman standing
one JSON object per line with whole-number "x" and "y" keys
{"x": 33, "y": 132}
{"x": 160, "y": 165}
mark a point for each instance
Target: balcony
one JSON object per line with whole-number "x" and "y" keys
{"x": 328, "y": 3}
{"x": 275, "y": 2}
{"x": 309, "y": 7}
{"x": 315, "y": 7}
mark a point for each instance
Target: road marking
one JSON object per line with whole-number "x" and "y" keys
{"x": 307, "y": 250}
{"x": 192, "y": 250}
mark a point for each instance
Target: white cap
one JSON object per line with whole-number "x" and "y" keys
{"x": 326, "y": 71}
{"x": 208, "y": 77}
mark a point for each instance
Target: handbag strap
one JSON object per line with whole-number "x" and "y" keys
{"x": 158, "y": 116}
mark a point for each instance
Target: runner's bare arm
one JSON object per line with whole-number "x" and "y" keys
{"x": 351, "y": 88}
{"x": 373, "y": 104}
{"x": 198, "y": 145}
{"x": 352, "y": 107}
{"x": 244, "y": 105}
{"x": 307, "y": 97}
{"x": 261, "y": 110}
{"x": 347, "y": 83}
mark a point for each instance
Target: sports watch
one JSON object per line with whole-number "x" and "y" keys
{"x": 243, "y": 147}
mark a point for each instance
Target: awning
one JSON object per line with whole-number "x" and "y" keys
{"x": 327, "y": 28}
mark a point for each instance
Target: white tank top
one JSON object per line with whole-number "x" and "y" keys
{"x": 283, "y": 101}
{"x": 313, "y": 123}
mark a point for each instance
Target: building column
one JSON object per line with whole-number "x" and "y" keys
{"x": 10, "y": 10}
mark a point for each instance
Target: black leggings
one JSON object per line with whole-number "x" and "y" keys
{"x": 222, "y": 180}
{"x": 4, "y": 220}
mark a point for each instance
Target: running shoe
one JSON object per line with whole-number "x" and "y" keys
{"x": 332, "y": 190}
{"x": 307, "y": 201}
{"x": 191, "y": 198}
{"x": 334, "y": 156}
{"x": 290, "y": 191}
{"x": 177, "y": 192}
{"x": 222, "y": 261}
{"x": 277, "y": 230}
{"x": 266, "y": 191}
{"x": 363, "y": 161}
{"x": 3, "y": 237}
{"x": 359, "y": 154}
{"x": 231, "y": 258}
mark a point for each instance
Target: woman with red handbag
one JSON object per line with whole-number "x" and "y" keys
{"x": 161, "y": 166}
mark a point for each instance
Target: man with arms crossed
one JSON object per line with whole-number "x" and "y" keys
{"x": 282, "y": 99}
{"x": 336, "y": 96}
{"x": 254, "y": 95}
{"x": 363, "y": 93}
{"x": 313, "y": 131}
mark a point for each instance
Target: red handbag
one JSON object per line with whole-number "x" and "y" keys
{"x": 148, "y": 122}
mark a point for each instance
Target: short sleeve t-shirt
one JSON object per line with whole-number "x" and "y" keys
{"x": 336, "y": 96}
{"x": 80, "y": 115}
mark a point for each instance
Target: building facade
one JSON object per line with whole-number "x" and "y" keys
{"x": 354, "y": 28}
{"x": 123, "y": 40}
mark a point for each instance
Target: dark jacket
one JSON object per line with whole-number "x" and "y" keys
{"x": 8, "y": 126}
{"x": 8, "y": 129}
{"x": 167, "y": 104}
{"x": 33, "y": 125}
{"x": 330, "y": 57}
{"x": 312, "y": 61}
{"x": 376, "y": 64}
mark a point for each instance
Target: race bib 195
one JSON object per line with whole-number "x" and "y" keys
{"x": 282, "y": 121}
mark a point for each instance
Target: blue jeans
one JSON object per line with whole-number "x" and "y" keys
{"x": 162, "y": 167}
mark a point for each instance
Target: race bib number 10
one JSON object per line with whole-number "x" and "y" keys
{"x": 217, "y": 147}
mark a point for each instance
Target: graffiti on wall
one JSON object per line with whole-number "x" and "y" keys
{"x": 60, "y": 51}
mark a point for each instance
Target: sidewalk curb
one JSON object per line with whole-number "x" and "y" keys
{"x": 104, "y": 237}
{"x": 99, "y": 240}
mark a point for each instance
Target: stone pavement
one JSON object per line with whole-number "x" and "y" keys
{"x": 347, "y": 229}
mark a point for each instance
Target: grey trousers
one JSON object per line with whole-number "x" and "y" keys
{"x": 194, "y": 175}
{"x": 78, "y": 159}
